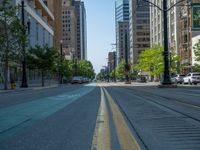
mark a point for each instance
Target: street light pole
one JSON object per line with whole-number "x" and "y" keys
{"x": 166, "y": 79}
{"x": 126, "y": 58}
{"x": 24, "y": 76}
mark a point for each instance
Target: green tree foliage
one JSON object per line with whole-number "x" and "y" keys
{"x": 196, "y": 47}
{"x": 69, "y": 68}
{"x": 120, "y": 70}
{"x": 11, "y": 36}
{"x": 112, "y": 74}
{"x": 151, "y": 60}
{"x": 197, "y": 50}
{"x": 83, "y": 68}
{"x": 43, "y": 59}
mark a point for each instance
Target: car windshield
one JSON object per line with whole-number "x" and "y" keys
{"x": 196, "y": 74}
{"x": 182, "y": 75}
{"x": 76, "y": 78}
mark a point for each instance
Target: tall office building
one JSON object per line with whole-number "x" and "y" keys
{"x": 81, "y": 35}
{"x": 122, "y": 28}
{"x": 111, "y": 61}
{"x": 122, "y": 40}
{"x": 156, "y": 25}
{"x": 39, "y": 22}
{"x": 55, "y": 7}
{"x": 139, "y": 28}
{"x": 188, "y": 37}
{"x": 69, "y": 29}
{"x": 83, "y": 32}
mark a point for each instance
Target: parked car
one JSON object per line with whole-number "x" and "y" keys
{"x": 77, "y": 79}
{"x": 178, "y": 79}
{"x": 141, "y": 79}
{"x": 85, "y": 80}
{"x": 192, "y": 78}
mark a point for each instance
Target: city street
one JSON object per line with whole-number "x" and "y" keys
{"x": 101, "y": 116}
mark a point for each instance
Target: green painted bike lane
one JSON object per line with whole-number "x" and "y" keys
{"x": 14, "y": 116}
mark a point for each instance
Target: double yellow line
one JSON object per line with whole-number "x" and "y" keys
{"x": 101, "y": 138}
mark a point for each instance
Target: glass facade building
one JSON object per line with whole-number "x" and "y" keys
{"x": 122, "y": 20}
{"x": 122, "y": 10}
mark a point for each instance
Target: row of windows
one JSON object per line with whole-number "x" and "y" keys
{"x": 66, "y": 12}
{"x": 67, "y": 38}
{"x": 66, "y": 25}
{"x": 66, "y": 17}
{"x": 143, "y": 39}
{"x": 140, "y": 15}
{"x": 66, "y": 21}
{"x": 66, "y": 29}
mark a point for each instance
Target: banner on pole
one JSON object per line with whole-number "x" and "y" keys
{"x": 196, "y": 17}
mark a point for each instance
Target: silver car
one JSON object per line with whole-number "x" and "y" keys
{"x": 177, "y": 78}
{"x": 192, "y": 78}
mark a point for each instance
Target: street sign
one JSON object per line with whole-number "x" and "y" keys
{"x": 196, "y": 17}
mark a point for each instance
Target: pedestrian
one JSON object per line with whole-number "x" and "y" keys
{"x": 12, "y": 83}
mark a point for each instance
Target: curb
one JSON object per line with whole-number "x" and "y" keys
{"x": 27, "y": 89}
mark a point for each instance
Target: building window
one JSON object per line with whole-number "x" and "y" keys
{"x": 44, "y": 36}
{"x": 37, "y": 32}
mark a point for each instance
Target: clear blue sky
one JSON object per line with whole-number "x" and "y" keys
{"x": 100, "y": 30}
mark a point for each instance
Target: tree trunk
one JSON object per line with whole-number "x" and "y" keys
{"x": 6, "y": 74}
{"x": 6, "y": 56}
{"x": 42, "y": 78}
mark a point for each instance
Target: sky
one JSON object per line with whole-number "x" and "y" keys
{"x": 100, "y": 30}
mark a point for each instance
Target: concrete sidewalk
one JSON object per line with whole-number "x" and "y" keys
{"x": 132, "y": 84}
{"x": 32, "y": 85}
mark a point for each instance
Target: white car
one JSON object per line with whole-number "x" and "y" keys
{"x": 77, "y": 79}
{"x": 192, "y": 78}
{"x": 177, "y": 78}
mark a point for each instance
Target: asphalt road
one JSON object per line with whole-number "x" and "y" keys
{"x": 101, "y": 117}
{"x": 63, "y": 120}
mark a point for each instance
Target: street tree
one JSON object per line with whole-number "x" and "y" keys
{"x": 67, "y": 69}
{"x": 83, "y": 68}
{"x": 43, "y": 59}
{"x": 11, "y": 36}
{"x": 120, "y": 71}
{"x": 151, "y": 60}
{"x": 196, "y": 47}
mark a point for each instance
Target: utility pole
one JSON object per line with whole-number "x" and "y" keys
{"x": 24, "y": 76}
{"x": 114, "y": 66}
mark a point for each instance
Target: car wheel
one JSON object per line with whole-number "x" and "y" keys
{"x": 195, "y": 83}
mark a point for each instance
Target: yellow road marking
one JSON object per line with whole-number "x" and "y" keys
{"x": 101, "y": 137}
{"x": 126, "y": 139}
